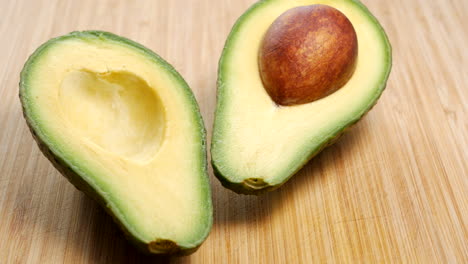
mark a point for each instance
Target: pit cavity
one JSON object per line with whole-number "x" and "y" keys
{"x": 116, "y": 110}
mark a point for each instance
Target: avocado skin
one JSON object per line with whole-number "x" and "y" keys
{"x": 76, "y": 180}
{"x": 241, "y": 187}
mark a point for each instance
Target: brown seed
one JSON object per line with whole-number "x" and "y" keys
{"x": 307, "y": 53}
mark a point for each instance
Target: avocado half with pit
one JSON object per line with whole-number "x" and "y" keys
{"x": 292, "y": 77}
{"x": 124, "y": 127}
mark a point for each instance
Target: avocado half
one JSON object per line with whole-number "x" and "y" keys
{"x": 257, "y": 145}
{"x": 124, "y": 127}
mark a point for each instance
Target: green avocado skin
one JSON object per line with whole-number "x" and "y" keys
{"x": 246, "y": 186}
{"x": 166, "y": 247}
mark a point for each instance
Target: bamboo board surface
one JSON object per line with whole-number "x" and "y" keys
{"x": 393, "y": 189}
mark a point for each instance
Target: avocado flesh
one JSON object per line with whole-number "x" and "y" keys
{"x": 123, "y": 126}
{"x": 257, "y": 145}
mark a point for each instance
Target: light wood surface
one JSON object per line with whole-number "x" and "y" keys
{"x": 393, "y": 189}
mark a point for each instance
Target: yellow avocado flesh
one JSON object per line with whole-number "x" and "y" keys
{"x": 254, "y": 138}
{"x": 124, "y": 124}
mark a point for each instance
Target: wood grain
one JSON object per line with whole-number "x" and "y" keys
{"x": 394, "y": 189}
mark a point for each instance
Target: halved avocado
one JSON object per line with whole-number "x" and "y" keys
{"x": 124, "y": 127}
{"x": 257, "y": 144}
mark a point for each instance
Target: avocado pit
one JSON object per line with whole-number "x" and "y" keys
{"x": 308, "y": 52}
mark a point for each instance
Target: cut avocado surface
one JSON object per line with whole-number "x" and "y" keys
{"x": 124, "y": 127}
{"x": 258, "y": 145}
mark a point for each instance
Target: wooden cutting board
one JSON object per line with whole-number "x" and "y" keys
{"x": 394, "y": 189}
